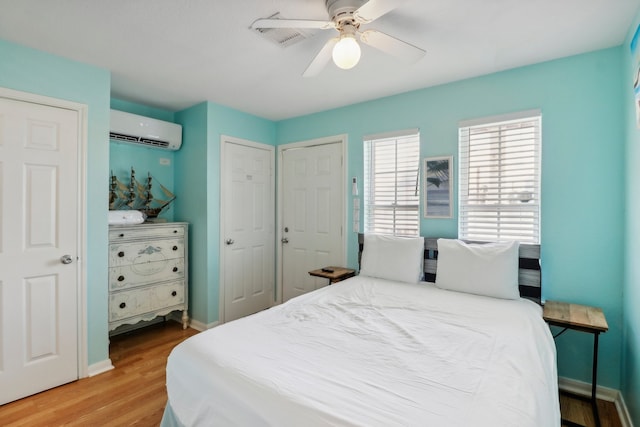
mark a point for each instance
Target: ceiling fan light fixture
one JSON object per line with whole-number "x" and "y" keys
{"x": 346, "y": 53}
{"x": 346, "y": 16}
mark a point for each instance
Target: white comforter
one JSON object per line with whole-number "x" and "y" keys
{"x": 370, "y": 352}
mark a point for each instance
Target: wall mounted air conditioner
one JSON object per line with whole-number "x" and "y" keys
{"x": 140, "y": 130}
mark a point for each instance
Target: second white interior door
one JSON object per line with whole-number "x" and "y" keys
{"x": 248, "y": 247}
{"x": 312, "y": 215}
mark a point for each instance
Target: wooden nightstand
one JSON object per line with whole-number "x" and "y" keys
{"x": 337, "y": 274}
{"x": 579, "y": 318}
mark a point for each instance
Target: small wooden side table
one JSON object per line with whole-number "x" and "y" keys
{"x": 579, "y": 318}
{"x": 334, "y": 274}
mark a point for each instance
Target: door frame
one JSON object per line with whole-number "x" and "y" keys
{"x": 223, "y": 192}
{"x": 341, "y": 139}
{"x": 81, "y": 264}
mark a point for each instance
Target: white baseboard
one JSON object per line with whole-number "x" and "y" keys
{"x": 603, "y": 393}
{"x": 199, "y": 326}
{"x": 99, "y": 368}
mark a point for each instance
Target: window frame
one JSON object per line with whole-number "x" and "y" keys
{"x": 516, "y": 163}
{"x": 372, "y": 198}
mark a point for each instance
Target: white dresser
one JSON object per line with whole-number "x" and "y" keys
{"x": 147, "y": 272}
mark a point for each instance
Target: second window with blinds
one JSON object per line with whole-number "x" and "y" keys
{"x": 391, "y": 183}
{"x": 499, "y": 164}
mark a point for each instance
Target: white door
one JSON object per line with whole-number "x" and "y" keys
{"x": 312, "y": 215}
{"x": 248, "y": 210}
{"x": 38, "y": 227}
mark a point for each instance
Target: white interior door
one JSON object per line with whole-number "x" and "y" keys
{"x": 312, "y": 215}
{"x": 248, "y": 205}
{"x": 38, "y": 228}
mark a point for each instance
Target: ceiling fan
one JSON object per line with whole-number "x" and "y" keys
{"x": 346, "y": 17}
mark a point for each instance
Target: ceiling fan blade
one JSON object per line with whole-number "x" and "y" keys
{"x": 292, "y": 23}
{"x": 392, "y": 45}
{"x": 321, "y": 58}
{"x": 374, "y": 9}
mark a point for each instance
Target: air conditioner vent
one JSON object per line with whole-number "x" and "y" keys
{"x": 122, "y": 137}
{"x": 157, "y": 143}
{"x": 284, "y": 37}
{"x": 138, "y": 140}
{"x": 133, "y": 129}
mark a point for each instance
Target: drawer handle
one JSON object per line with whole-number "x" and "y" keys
{"x": 174, "y": 293}
{"x": 123, "y": 305}
{"x": 175, "y": 231}
{"x": 120, "y": 278}
{"x": 121, "y": 234}
{"x": 175, "y": 269}
{"x": 120, "y": 254}
{"x": 175, "y": 248}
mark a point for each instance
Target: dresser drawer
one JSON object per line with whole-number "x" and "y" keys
{"x": 145, "y": 252}
{"x": 167, "y": 295}
{"x": 143, "y": 300}
{"x": 143, "y": 232}
{"x": 141, "y": 274}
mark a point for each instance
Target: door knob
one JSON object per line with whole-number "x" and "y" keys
{"x": 66, "y": 259}
{"x": 229, "y": 241}
{"x": 285, "y": 240}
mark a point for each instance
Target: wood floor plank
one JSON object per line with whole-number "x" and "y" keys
{"x": 579, "y": 411}
{"x": 134, "y": 393}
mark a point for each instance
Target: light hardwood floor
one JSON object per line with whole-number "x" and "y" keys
{"x": 134, "y": 394}
{"x": 579, "y": 411}
{"x": 131, "y": 394}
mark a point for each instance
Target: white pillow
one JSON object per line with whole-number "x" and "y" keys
{"x": 489, "y": 269}
{"x": 393, "y": 258}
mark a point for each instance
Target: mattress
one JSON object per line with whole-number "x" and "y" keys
{"x": 371, "y": 352}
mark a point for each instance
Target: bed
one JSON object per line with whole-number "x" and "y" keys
{"x": 383, "y": 348}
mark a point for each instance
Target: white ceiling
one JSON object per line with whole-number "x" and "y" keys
{"x": 173, "y": 54}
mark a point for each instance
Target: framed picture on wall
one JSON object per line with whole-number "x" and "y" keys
{"x": 438, "y": 187}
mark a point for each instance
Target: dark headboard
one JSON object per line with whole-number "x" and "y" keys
{"x": 529, "y": 277}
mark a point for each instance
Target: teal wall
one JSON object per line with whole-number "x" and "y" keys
{"x": 158, "y": 162}
{"x": 32, "y": 71}
{"x": 631, "y": 292}
{"x": 191, "y": 185}
{"x": 197, "y": 180}
{"x": 143, "y": 110}
{"x": 582, "y": 174}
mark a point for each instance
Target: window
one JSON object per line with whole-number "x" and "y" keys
{"x": 499, "y": 164}
{"x": 391, "y": 183}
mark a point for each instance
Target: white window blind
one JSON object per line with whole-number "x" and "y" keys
{"x": 499, "y": 194}
{"x": 391, "y": 183}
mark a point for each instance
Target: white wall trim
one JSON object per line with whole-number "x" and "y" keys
{"x": 603, "y": 393}
{"x": 81, "y": 269}
{"x": 83, "y": 351}
{"x": 99, "y": 368}
{"x": 392, "y": 134}
{"x": 518, "y": 115}
{"x": 199, "y": 326}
